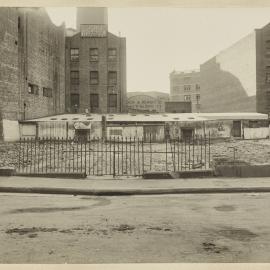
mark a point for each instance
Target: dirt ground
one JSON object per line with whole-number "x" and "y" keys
{"x": 135, "y": 229}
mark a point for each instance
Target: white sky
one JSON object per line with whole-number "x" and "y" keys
{"x": 160, "y": 40}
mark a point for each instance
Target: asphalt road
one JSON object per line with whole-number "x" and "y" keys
{"x": 134, "y": 229}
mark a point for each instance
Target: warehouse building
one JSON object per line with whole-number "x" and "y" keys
{"x": 95, "y": 65}
{"x": 185, "y": 87}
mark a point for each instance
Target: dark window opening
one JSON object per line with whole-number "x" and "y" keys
{"x": 94, "y": 77}
{"x": 93, "y": 54}
{"x": 94, "y": 101}
{"x": 112, "y": 78}
{"x": 74, "y": 77}
{"x": 33, "y": 89}
{"x": 47, "y": 92}
{"x": 75, "y": 102}
{"x": 112, "y": 100}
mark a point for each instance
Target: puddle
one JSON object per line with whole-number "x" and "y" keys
{"x": 225, "y": 208}
{"x": 213, "y": 248}
{"x": 30, "y": 231}
{"x": 123, "y": 228}
{"x": 45, "y": 209}
{"x": 159, "y": 229}
{"x": 238, "y": 234}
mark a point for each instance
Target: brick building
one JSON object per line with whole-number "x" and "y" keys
{"x": 95, "y": 65}
{"x": 238, "y": 78}
{"x": 178, "y": 107}
{"x": 185, "y": 87}
{"x": 148, "y": 102}
{"x": 32, "y": 67}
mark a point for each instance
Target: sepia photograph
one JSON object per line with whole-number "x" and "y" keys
{"x": 134, "y": 134}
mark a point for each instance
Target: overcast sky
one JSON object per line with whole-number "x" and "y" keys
{"x": 160, "y": 40}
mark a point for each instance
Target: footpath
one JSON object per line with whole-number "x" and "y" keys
{"x": 107, "y": 186}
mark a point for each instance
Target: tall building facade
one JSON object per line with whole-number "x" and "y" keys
{"x": 185, "y": 87}
{"x": 32, "y": 66}
{"x": 95, "y": 65}
{"x": 238, "y": 78}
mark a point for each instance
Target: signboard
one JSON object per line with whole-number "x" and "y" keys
{"x": 82, "y": 125}
{"x": 93, "y": 30}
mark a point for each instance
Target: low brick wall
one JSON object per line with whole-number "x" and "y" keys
{"x": 242, "y": 170}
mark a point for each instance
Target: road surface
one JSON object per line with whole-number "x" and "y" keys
{"x": 134, "y": 229}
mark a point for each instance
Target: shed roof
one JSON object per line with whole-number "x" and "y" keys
{"x": 165, "y": 117}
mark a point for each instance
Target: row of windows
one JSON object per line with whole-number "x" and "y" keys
{"x": 94, "y": 100}
{"x": 94, "y": 77}
{"x": 93, "y": 54}
{"x": 34, "y": 90}
{"x": 188, "y": 98}
{"x": 187, "y": 87}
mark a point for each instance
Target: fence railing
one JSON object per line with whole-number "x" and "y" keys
{"x": 113, "y": 156}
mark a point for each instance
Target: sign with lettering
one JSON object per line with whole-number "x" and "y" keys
{"x": 93, "y": 30}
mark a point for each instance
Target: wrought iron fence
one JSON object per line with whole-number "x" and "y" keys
{"x": 112, "y": 156}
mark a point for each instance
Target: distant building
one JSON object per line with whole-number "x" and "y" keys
{"x": 238, "y": 78}
{"x": 95, "y": 65}
{"x": 178, "y": 107}
{"x": 185, "y": 87}
{"x": 148, "y": 102}
{"x": 32, "y": 67}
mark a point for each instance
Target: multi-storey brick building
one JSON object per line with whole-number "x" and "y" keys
{"x": 32, "y": 67}
{"x": 238, "y": 78}
{"x": 185, "y": 86}
{"x": 95, "y": 65}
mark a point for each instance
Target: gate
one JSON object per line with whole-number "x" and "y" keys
{"x": 115, "y": 156}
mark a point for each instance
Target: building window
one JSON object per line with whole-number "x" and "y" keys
{"x": 112, "y": 100}
{"x": 268, "y": 77}
{"x": 47, "y": 92}
{"x": 112, "y": 53}
{"x": 75, "y": 102}
{"x": 74, "y": 55}
{"x": 187, "y": 98}
{"x": 33, "y": 89}
{"x": 74, "y": 77}
{"x": 93, "y": 77}
{"x": 197, "y": 87}
{"x": 187, "y": 87}
{"x": 94, "y": 101}
{"x": 198, "y": 97}
{"x": 93, "y": 54}
{"x": 112, "y": 78}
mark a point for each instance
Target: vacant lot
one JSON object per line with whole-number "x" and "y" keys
{"x": 99, "y": 159}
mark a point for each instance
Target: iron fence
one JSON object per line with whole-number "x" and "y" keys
{"x": 112, "y": 156}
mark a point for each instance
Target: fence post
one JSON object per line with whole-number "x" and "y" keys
{"x": 209, "y": 150}
{"x": 142, "y": 157}
{"x": 114, "y": 156}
